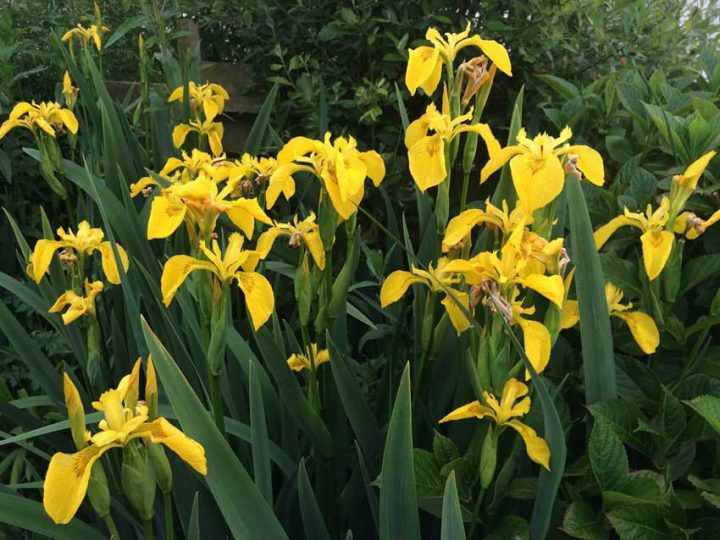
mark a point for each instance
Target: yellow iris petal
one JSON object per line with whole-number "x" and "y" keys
{"x": 160, "y": 431}
{"x": 570, "y": 314}
{"x": 175, "y": 271}
{"x": 536, "y": 447}
{"x": 375, "y": 166}
{"x": 42, "y": 257}
{"x": 460, "y": 226}
{"x": 243, "y": 214}
{"x": 396, "y": 285}
{"x": 643, "y": 328}
{"x": 656, "y": 248}
{"x": 66, "y": 482}
{"x": 537, "y": 343}
{"x": 109, "y": 265}
{"x": 603, "y": 234}
{"x": 551, "y": 287}
{"x": 471, "y": 410}
{"x": 427, "y": 162}
{"x": 259, "y": 297}
{"x": 496, "y": 52}
{"x": 589, "y": 162}
{"x": 313, "y": 242}
{"x": 458, "y": 319}
{"x": 166, "y": 215}
{"x": 424, "y": 69}
{"x": 538, "y": 181}
{"x": 179, "y": 134}
{"x": 350, "y": 172}
{"x": 296, "y": 147}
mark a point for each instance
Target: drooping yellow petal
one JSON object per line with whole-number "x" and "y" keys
{"x": 259, "y": 297}
{"x": 138, "y": 187}
{"x": 296, "y": 147}
{"x": 460, "y": 226}
{"x": 176, "y": 270}
{"x": 66, "y": 482}
{"x": 471, "y": 410}
{"x": 42, "y": 257}
{"x": 656, "y": 248}
{"x": 551, "y": 287}
{"x": 344, "y": 208}
{"x": 266, "y": 240}
{"x": 536, "y": 447}
{"x": 166, "y": 215}
{"x": 427, "y": 162}
{"x": 424, "y": 69}
{"x": 589, "y": 162}
{"x": 375, "y": 166}
{"x": 179, "y": 134}
{"x": 570, "y": 314}
{"x": 215, "y": 136}
{"x": 603, "y": 234}
{"x": 643, "y": 328}
{"x": 313, "y": 242}
{"x": 458, "y": 319}
{"x": 537, "y": 181}
{"x": 244, "y": 212}
{"x": 497, "y": 160}
{"x": 418, "y": 128}
{"x": 496, "y": 52}
{"x": 395, "y": 286}
{"x": 108, "y": 261}
{"x": 281, "y": 181}
{"x": 537, "y": 343}
{"x": 160, "y": 431}
{"x": 350, "y": 172}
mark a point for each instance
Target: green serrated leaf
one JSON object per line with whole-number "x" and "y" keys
{"x": 607, "y": 457}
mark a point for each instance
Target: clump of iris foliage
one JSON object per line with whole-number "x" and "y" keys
{"x": 316, "y": 359}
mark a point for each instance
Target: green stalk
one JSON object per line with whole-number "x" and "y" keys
{"x": 169, "y": 527}
{"x": 148, "y": 532}
{"x": 112, "y": 528}
{"x": 216, "y": 356}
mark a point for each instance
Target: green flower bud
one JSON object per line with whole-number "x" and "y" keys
{"x": 488, "y": 458}
{"x": 98, "y": 491}
{"x": 162, "y": 467}
{"x": 138, "y": 479}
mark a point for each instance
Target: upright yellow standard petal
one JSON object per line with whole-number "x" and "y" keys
{"x": 427, "y": 162}
{"x": 259, "y": 297}
{"x": 643, "y": 328}
{"x": 66, "y": 482}
{"x": 396, "y": 285}
{"x": 536, "y": 447}
{"x": 693, "y": 173}
{"x": 424, "y": 69}
{"x": 471, "y": 410}
{"x": 656, "y": 248}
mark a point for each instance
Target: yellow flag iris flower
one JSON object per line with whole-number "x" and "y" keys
{"x": 78, "y": 305}
{"x": 505, "y": 413}
{"x": 642, "y": 326}
{"x": 201, "y": 202}
{"x": 68, "y": 475}
{"x": 340, "y": 166}
{"x": 536, "y": 337}
{"x": 537, "y": 171}
{"x": 45, "y": 117}
{"x": 190, "y": 167}
{"x": 692, "y": 226}
{"x": 236, "y": 264}
{"x": 93, "y": 34}
{"x": 69, "y": 91}
{"x": 86, "y": 241}
{"x": 310, "y": 360}
{"x": 303, "y": 232}
{"x": 459, "y": 227}
{"x": 657, "y": 241}
{"x": 438, "y": 280}
{"x": 207, "y": 128}
{"x": 209, "y": 98}
{"x": 424, "y": 67}
{"x": 426, "y": 153}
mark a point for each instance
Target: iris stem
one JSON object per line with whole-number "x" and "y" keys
{"x": 476, "y": 512}
{"x": 463, "y": 195}
{"x": 167, "y": 503}
{"x": 112, "y": 528}
{"x": 148, "y": 529}
{"x": 216, "y": 400}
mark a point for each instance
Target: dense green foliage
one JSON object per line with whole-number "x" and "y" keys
{"x": 637, "y": 81}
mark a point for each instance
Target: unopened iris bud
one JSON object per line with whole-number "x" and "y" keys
{"x": 160, "y": 462}
{"x": 98, "y": 492}
{"x": 488, "y": 458}
{"x": 151, "y": 390}
{"x": 138, "y": 479}
{"x": 76, "y": 414}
